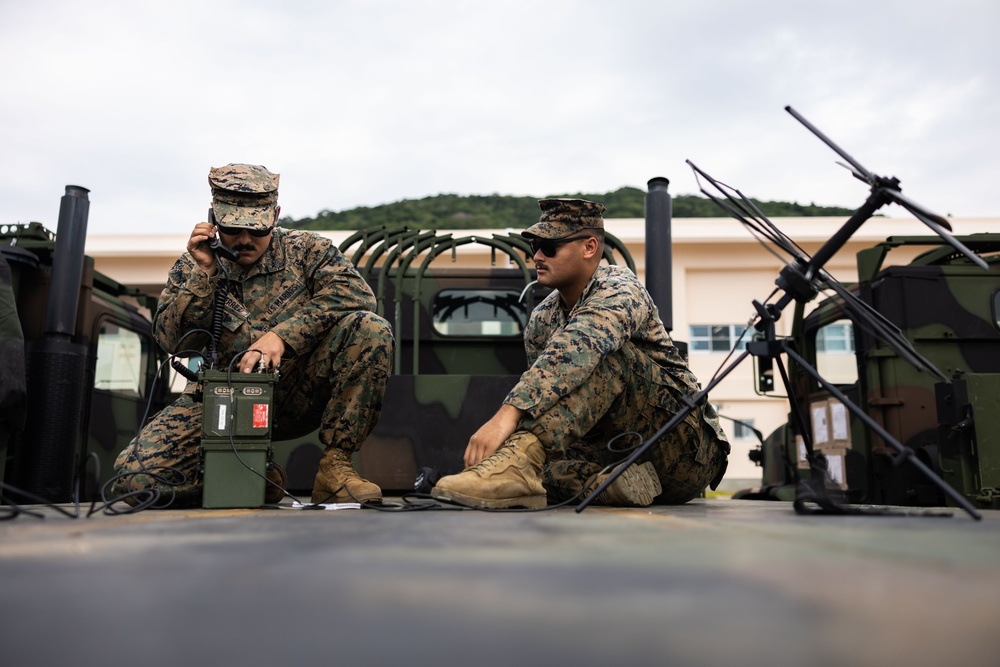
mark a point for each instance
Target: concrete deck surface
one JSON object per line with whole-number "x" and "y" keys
{"x": 713, "y": 582}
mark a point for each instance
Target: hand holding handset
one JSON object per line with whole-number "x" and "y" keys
{"x": 215, "y": 245}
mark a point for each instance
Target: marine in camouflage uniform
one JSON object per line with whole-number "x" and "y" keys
{"x": 292, "y": 301}
{"x": 601, "y": 365}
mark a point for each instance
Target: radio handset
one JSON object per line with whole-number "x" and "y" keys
{"x": 215, "y": 245}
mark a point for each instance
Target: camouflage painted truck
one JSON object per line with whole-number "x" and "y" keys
{"x": 93, "y": 364}
{"x": 89, "y": 359}
{"x": 949, "y": 310}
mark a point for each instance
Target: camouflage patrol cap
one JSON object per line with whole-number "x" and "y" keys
{"x": 562, "y": 217}
{"x": 243, "y": 195}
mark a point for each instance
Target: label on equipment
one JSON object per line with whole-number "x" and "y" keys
{"x": 222, "y": 418}
{"x": 260, "y": 415}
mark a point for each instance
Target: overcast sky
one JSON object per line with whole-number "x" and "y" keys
{"x": 369, "y": 102}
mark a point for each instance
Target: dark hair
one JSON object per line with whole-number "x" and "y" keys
{"x": 599, "y": 235}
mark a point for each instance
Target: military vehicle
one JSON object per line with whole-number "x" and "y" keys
{"x": 949, "y": 310}
{"x": 914, "y": 421}
{"x": 91, "y": 359}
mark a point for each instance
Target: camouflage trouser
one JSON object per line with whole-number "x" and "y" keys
{"x": 627, "y": 393}
{"x": 338, "y": 387}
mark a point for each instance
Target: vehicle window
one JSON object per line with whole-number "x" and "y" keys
{"x": 478, "y": 312}
{"x": 122, "y": 356}
{"x": 836, "y": 338}
{"x": 835, "y": 353}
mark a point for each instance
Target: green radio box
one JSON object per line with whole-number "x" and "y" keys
{"x": 235, "y": 438}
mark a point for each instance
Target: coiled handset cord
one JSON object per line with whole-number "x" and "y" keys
{"x": 221, "y": 291}
{"x": 219, "y": 301}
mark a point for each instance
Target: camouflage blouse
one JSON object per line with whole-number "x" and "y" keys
{"x": 564, "y": 348}
{"x": 299, "y": 289}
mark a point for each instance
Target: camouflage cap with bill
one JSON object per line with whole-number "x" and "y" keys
{"x": 562, "y": 217}
{"x": 243, "y": 195}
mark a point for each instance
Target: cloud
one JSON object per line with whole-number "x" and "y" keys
{"x": 363, "y": 103}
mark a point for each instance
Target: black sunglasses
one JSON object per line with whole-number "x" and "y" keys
{"x": 236, "y": 231}
{"x": 550, "y": 247}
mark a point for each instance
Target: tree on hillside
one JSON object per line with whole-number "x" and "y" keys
{"x": 449, "y": 211}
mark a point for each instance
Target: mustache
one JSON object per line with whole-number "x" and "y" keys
{"x": 243, "y": 246}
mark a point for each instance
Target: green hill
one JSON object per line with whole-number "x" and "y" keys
{"x": 500, "y": 211}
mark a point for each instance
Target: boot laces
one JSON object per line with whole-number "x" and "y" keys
{"x": 342, "y": 467}
{"x": 500, "y": 456}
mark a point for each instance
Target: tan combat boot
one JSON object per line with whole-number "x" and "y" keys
{"x": 637, "y": 486}
{"x": 510, "y": 477}
{"x": 338, "y": 482}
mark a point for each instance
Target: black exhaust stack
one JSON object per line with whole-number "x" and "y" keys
{"x": 67, "y": 263}
{"x": 58, "y": 386}
{"x": 659, "y": 257}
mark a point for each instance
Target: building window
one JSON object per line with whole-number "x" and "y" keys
{"x": 837, "y": 338}
{"x": 718, "y": 337}
{"x": 743, "y": 429}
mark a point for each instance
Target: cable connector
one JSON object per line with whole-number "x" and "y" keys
{"x": 189, "y": 374}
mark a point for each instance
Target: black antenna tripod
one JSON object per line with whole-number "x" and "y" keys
{"x": 801, "y": 280}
